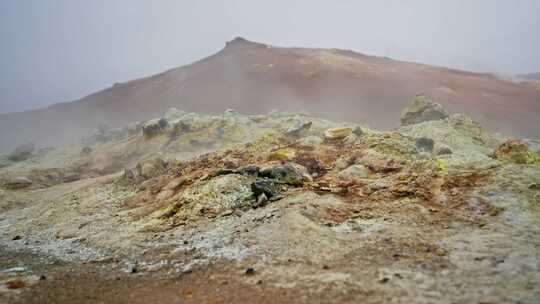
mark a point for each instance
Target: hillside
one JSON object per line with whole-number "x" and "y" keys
{"x": 253, "y": 78}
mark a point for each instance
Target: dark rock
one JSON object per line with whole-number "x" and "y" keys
{"x": 384, "y": 280}
{"x": 152, "y": 128}
{"x": 285, "y": 174}
{"x": 163, "y": 123}
{"x": 424, "y": 144}
{"x": 129, "y": 174}
{"x": 15, "y": 238}
{"x": 262, "y": 200}
{"x": 358, "y": 131}
{"x": 250, "y": 271}
{"x": 534, "y": 186}
{"x": 268, "y": 187}
{"x": 250, "y": 170}
{"x": 132, "y": 268}
{"x": 422, "y": 109}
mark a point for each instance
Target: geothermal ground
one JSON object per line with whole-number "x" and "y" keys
{"x": 274, "y": 208}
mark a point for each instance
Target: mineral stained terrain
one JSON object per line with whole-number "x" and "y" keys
{"x": 274, "y": 208}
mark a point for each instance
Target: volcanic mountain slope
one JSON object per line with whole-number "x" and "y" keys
{"x": 254, "y": 78}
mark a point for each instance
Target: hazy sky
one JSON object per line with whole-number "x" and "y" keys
{"x": 54, "y": 51}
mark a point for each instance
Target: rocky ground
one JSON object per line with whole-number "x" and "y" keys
{"x": 282, "y": 207}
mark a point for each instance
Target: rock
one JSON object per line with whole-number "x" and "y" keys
{"x": 250, "y": 271}
{"x": 222, "y": 193}
{"x": 424, "y": 144}
{"x": 354, "y": 172}
{"x": 343, "y": 162}
{"x": 267, "y": 187}
{"x": 358, "y": 131}
{"x": 131, "y": 268}
{"x": 129, "y": 174}
{"x": 516, "y": 151}
{"x": 443, "y": 150}
{"x": 151, "y": 167}
{"x": 422, "y": 109}
{"x": 286, "y": 174}
{"x": 534, "y": 186}
{"x": 152, "y": 128}
{"x": 163, "y": 123}
{"x": 337, "y": 133}
{"x": 250, "y": 170}
{"x": 298, "y": 130}
{"x": 282, "y": 154}
{"x": 22, "y": 153}
{"x": 18, "y": 182}
{"x": 261, "y": 201}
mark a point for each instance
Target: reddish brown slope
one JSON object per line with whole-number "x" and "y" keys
{"x": 252, "y": 77}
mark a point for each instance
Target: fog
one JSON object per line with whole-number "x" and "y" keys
{"x": 55, "y": 51}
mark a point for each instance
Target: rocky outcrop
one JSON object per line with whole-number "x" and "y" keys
{"x": 424, "y": 144}
{"x": 146, "y": 169}
{"x": 422, "y": 109}
{"x": 294, "y": 175}
{"x": 154, "y": 127}
{"x": 516, "y": 151}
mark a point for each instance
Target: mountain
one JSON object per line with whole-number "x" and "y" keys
{"x": 254, "y": 77}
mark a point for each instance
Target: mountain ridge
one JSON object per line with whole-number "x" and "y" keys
{"x": 254, "y": 77}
